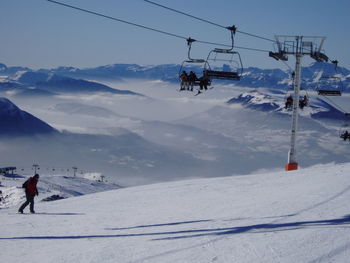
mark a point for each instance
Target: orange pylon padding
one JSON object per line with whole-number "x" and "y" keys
{"x": 291, "y": 166}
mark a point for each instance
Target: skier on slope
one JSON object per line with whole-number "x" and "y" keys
{"x": 31, "y": 191}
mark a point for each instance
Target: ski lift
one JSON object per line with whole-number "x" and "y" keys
{"x": 344, "y": 131}
{"x": 195, "y": 66}
{"x": 303, "y": 98}
{"x": 330, "y": 85}
{"x": 303, "y": 101}
{"x": 224, "y": 64}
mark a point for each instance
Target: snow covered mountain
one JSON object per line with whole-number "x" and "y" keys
{"x": 247, "y": 213}
{"x": 252, "y": 77}
{"x": 83, "y": 109}
{"x": 16, "y": 122}
{"x": 37, "y": 83}
{"x": 55, "y": 83}
{"x": 318, "y": 108}
{"x": 5, "y": 71}
{"x": 257, "y": 101}
{"x": 249, "y": 133}
{"x": 169, "y": 135}
{"x": 299, "y": 216}
{"x": 124, "y": 156}
{"x": 168, "y": 72}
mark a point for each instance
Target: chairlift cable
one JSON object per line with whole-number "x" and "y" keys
{"x": 285, "y": 63}
{"x": 147, "y": 27}
{"x": 116, "y": 19}
{"x": 218, "y": 25}
{"x": 185, "y": 14}
{"x": 207, "y": 21}
{"x": 335, "y": 105}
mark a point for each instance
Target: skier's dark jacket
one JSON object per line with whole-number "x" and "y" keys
{"x": 30, "y": 186}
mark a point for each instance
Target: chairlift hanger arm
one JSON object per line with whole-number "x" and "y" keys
{"x": 233, "y": 32}
{"x": 190, "y": 59}
{"x": 189, "y": 44}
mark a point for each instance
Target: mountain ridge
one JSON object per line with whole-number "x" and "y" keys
{"x": 16, "y": 122}
{"x": 252, "y": 77}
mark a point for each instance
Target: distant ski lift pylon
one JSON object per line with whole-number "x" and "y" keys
{"x": 225, "y": 64}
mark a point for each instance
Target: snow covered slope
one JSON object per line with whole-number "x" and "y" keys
{"x": 299, "y": 216}
{"x": 50, "y": 188}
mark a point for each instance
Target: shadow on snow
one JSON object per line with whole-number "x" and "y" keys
{"x": 156, "y": 225}
{"x": 258, "y": 228}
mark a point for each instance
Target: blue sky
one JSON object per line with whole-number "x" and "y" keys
{"x": 39, "y": 34}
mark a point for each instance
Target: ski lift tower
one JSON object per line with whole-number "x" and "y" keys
{"x": 74, "y": 170}
{"x": 35, "y": 167}
{"x": 297, "y": 46}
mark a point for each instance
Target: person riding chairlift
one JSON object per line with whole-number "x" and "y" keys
{"x": 184, "y": 81}
{"x": 345, "y": 135}
{"x": 303, "y": 102}
{"x": 203, "y": 82}
{"x": 192, "y": 77}
{"x": 289, "y": 102}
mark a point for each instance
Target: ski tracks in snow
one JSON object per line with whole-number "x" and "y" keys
{"x": 329, "y": 257}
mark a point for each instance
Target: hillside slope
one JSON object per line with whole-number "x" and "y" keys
{"x": 16, "y": 122}
{"x": 50, "y": 187}
{"x": 300, "y": 216}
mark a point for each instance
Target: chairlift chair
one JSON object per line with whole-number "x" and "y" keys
{"x": 334, "y": 88}
{"x": 345, "y": 127}
{"x": 329, "y": 86}
{"x": 231, "y": 68}
{"x": 302, "y": 102}
{"x": 196, "y": 65}
{"x": 344, "y": 133}
{"x": 304, "y": 97}
{"x": 228, "y": 63}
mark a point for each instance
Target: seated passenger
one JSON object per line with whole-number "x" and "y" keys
{"x": 184, "y": 81}
{"x": 203, "y": 82}
{"x": 192, "y": 79}
{"x": 303, "y": 102}
{"x": 289, "y": 102}
{"x": 345, "y": 135}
